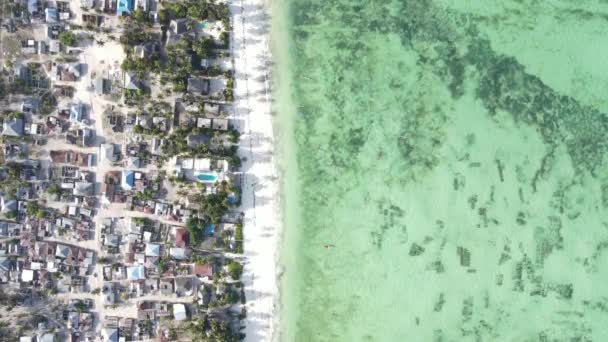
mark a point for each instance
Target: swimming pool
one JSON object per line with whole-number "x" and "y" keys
{"x": 207, "y": 177}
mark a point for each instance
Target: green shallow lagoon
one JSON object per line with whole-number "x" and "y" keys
{"x": 446, "y": 170}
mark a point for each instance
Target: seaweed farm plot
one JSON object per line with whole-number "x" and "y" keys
{"x": 449, "y": 187}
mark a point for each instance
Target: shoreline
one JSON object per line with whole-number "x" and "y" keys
{"x": 284, "y": 102}
{"x": 260, "y": 185}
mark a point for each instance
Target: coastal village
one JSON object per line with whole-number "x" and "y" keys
{"x": 120, "y": 184}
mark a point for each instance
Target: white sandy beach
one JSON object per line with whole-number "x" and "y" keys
{"x": 260, "y": 184}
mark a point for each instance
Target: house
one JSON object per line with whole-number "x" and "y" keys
{"x": 50, "y": 15}
{"x": 124, "y": 7}
{"x": 184, "y": 286}
{"x": 133, "y": 162}
{"x": 203, "y": 123}
{"x": 53, "y": 31}
{"x": 152, "y": 250}
{"x": 107, "y": 190}
{"x": 202, "y": 164}
{"x": 7, "y": 205}
{"x": 6, "y": 264}
{"x": 156, "y": 145}
{"x": 181, "y": 237}
{"x": 179, "y": 312}
{"x": 143, "y": 121}
{"x": 109, "y": 295}
{"x": 87, "y": 136}
{"x": 160, "y": 209}
{"x": 165, "y": 286}
{"x": 212, "y": 109}
{"x": 83, "y": 189}
{"x": 92, "y": 19}
{"x": 106, "y": 152}
{"x": 220, "y": 124}
{"x": 33, "y": 129}
{"x": 41, "y": 47}
{"x": 178, "y": 253}
{"x": 136, "y": 273}
{"x": 21, "y": 72}
{"x": 87, "y": 3}
{"x": 142, "y": 4}
{"x": 197, "y": 139}
{"x": 62, "y": 251}
{"x": 178, "y": 26}
{"x": 160, "y": 123}
{"x": 111, "y": 240}
{"x": 27, "y": 276}
{"x": 13, "y": 128}
{"x": 109, "y": 335}
{"x": 127, "y": 180}
{"x": 85, "y": 212}
{"x": 72, "y": 211}
{"x": 58, "y": 157}
{"x": 76, "y": 112}
{"x": 203, "y": 270}
{"x": 209, "y": 229}
{"x": 198, "y": 86}
{"x": 9, "y": 229}
{"x": 28, "y": 46}
{"x": 47, "y": 337}
{"x": 146, "y": 50}
{"x": 71, "y": 72}
{"x": 186, "y": 164}
{"x": 30, "y": 105}
{"x": 54, "y": 46}
{"x": 132, "y": 82}
{"x": 102, "y": 86}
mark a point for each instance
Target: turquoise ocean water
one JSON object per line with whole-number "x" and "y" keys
{"x": 445, "y": 170}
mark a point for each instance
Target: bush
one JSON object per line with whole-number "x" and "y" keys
{"x": 53, "y": 189}
{"x": 195, "y": 228}
{"x": 68, "y": 38}
{"x": 238, "y": 237}
{"x": 235, "y": 270}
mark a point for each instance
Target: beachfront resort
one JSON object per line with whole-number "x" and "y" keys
{"x": 121, "y": 183}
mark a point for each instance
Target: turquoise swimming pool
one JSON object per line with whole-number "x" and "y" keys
{"x": 207, "y": 177}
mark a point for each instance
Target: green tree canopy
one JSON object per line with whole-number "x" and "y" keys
{"x": 235, "y": 270}
{"x": 68, "y": 38}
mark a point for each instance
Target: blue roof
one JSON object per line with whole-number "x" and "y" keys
{"x": 209, "y": 228}
{"x": 50, "y": 14}
{"x": 76, "y": 113}
{"x": 128, "y": 180}
{"x": 136, "y": 272}
{"x": 124, "y": 6}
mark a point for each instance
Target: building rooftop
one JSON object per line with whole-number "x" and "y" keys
{"x": 132, "y": 82}
{"x": 179, "y": 312}
{"x": 181, "y": 237}
{"x": 136, "y": 272}
{"x": 178, "y": 26}
{"x": 127, "y": 180}
{"x": 106, "y": 152}
{"x": 152, "y": 250}
{"x": 124, "y": 7}
{"x": 178, "y": 253}
{"x": 198, "y": 86}
{"x": 13, "y": 128}
{"x": 109, "y": 335}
